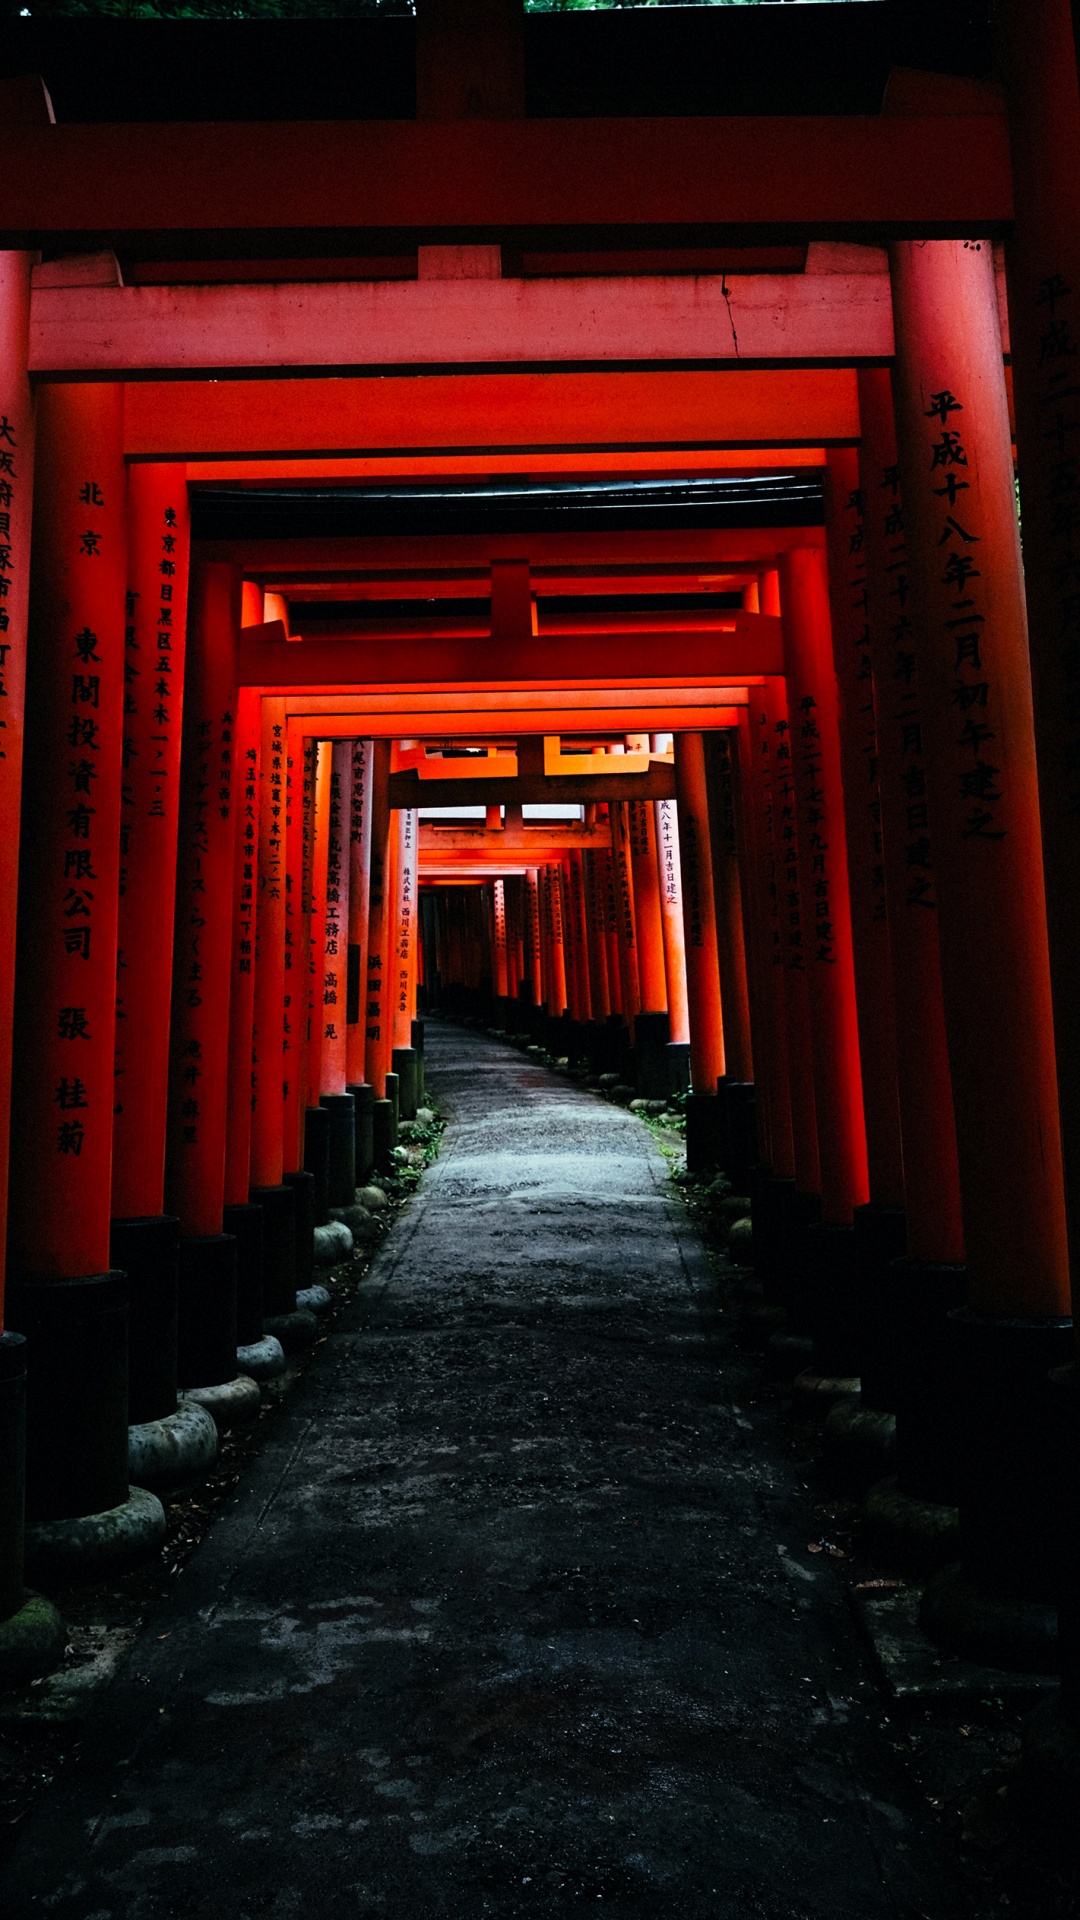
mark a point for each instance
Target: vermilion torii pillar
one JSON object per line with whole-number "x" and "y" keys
{"x": 202, "y": 972}
{"x": 268, "y": 1189}
{"x": 314, "y": 1118}
{"x": 334, "y": 1093}
{"x": 738, "y": 1129}
{"x": 844, "y": 514}
{"x": 763, "y": 918}
{"x": 671, "y": 908}
{"x": 61, "y": 1293}
{"x": 535, "y": 939}
{"x": 359, "y": 885}
{"x": 171, "y": 1444}
{"x": 1038, "y": 60}
{"x": 970, "y": 645}
{"x": 704, "y": 1144}
{"x": 911, "y": 1374}
{"x": 402, "y": 949}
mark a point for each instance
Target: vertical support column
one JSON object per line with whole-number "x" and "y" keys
{"x": 583, "y": 1009}
{"x": 143, "y": 1237}
{"x": 202, "y": 968}
{"x": 849, "y": 601}
{"x": 498, "y": 955}
{"x": 971, "y": 650}
{"x": 762, "y": 913}
{"x": 267, "y": 1056}
{"x": 649, "y": 926}
{"x": 316, "y": 1117}
{"x": 334, "y": 1094}
{"x": 31, "y": 1632}
{"x": 911, "y": 1373}
{"x": 556, "y": 933}
{"x": 61, "y": 1295}
{"x": 705, "y": 1147}
{"x": 667, "y": 851}
{"x": 301, "y": 760}
{"x": 737, "y": 1091}
{"x": 242, "y": 1217}
{"x": 403, "y": 972}
{"x": 359, "y": 891}
{"x": 536, "y": 969}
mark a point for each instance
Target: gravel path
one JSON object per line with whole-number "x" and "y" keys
{"x": 513, "y": 1614}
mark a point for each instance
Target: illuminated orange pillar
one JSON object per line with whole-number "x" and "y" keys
{"x": 16, "y": 492}
{"x": 928, "y": 1133}
{"x": 555, "y": 930}
{"x": 844, "y": 510}
{"x": 268, "y": 1104}
{"x": 763, "y": 893}
{"x": 815, "y": 748}
{"x": 154, "y": 657}
{"x": 785, "y": 835}
{"x": 359, "y": 885}
{"x": 377, "y": 1015}
{"x": 242, "y": 1217}
{"x": 144, "y": 1238}
{"x": 316, "y": 905}
{"x": 202, "y": 968}
{"x": 704, "y": 1144}
{"x": 536, "y": 971}
{"x": 727, "y": 901}
{"x": 403, "y": 959}
{"x": 60, "y": 1292}
{"x": 667, "y": 850}
{"x": 970, "y": 645}
{"x": 300, "y": 771}
{"x": 583, "y": 1010}
{"x": 498, "y": 953}
{"x": 649, "y": 926}
{"x": 594, "y": 906}
{"x": 334, "y": 1058}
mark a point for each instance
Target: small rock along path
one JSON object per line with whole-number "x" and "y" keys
{"x": 513, "y": 1613}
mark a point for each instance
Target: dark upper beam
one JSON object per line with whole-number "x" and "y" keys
{"x": 926, "y": 173}
{"x": 408, "y": 790}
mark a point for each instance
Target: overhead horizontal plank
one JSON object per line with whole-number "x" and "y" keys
{"x": 511, "y": 714}
{"x": 929, "y": 173}
{"x": 125, "y": 332}
{"x": 193, "y": 419}
{"x": 408, "y": 790}
{"x": 755, "y": 647}
{"x": 713, "y": 548}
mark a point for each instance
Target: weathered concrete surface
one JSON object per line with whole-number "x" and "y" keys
{"x": 512, "y": 1617}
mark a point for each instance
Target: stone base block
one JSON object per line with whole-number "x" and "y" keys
{"x": 996, "y": 1629}
{"x": 96, "y": 1546}
{"x": 787, "y": 1354}
{"x": 32, "y": 1641}
{"x": 314, "y": 1300}
{"x": 295, "y": 1330}
{"x": 173, "y": 1451}
{"x": 263, "y": 1360}
{"x": 815, "y": 1394}
{"x": 860, "y": 1443}
{"x": 916, "y": 1536}
{"x": 230, "y": 1403}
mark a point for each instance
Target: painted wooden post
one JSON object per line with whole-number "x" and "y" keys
{"x": 764, "y": 888}
{"x": 60, "y": 1292}
{"x": 970, "y": 645}
{"x": 536, "y": 970}
{"x": 267, "y": 1065}
{"x": 649, "y": 926}
{"x": 848, "y": 596}
{"x": 704, "y": 1144}
{"x": 403, "y": 943}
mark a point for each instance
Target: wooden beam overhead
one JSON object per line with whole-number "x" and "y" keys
{"x": 484, "y": 179}
{"x": 408, "y": 790}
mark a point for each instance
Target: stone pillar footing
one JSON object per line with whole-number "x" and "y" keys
{"x": 314, "y": 1300}
{"x": 173, "y": 1451}
{"x": 814, "y": 1394}
{"x": 96, "y": 1546}
{"x": 996, "y": 1629}
{"x": 787, "y": 1354}
{"x": 147, "y": 1249}
{"x": 230, "y": 1403}
{"x": 294, "y": 1330}
{"x": 263, "y": 1359}
{"x": 860, "y": 1445}
{"x": 912, "y": 1535}
{"x": 32, "y": 1641}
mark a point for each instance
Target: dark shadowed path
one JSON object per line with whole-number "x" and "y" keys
{"x": 512, "y": 1616}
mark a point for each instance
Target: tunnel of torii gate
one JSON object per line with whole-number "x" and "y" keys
{"x": 642, "y": 665}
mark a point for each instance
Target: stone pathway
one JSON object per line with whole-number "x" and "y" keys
{"x": 513, "y": 1615}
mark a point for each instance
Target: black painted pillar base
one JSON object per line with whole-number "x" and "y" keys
{"x": 831, "y": 1301}
{"x": 384, "y": 1131}
{"x": 304, "y": 1196}
{"x": 393, "y": 1094}
{"x": 147, "y": 1250}
{"x": 363, "y": 1097}
{"x": 244, "y": 1221}
{"x": 617, "y": 1046}
{"x": 32, "y": 1634}
{"x": 278, "y": 1206}
{"x": 740, "y": 1124}
{"x": 795, "y": 1213}
{"x": 404, "y": 1062}
{"x": 317, "y": 1160}
{"x": 880, "y": 1238}
{"x": 1064, "y": 1386}
{"x": 342, "y": 1168}
{"x": 651, "y": 1037}
{"x": 417, "y": 1035}
{"x": 998, "y": 1605}
{"x": 77, "y": 1392}
{"x": 678, "y": 1069}
{"x": 923, "y": 1294}
{"x": 704, "y": 1132}
{"x": 206, "y": 1320}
